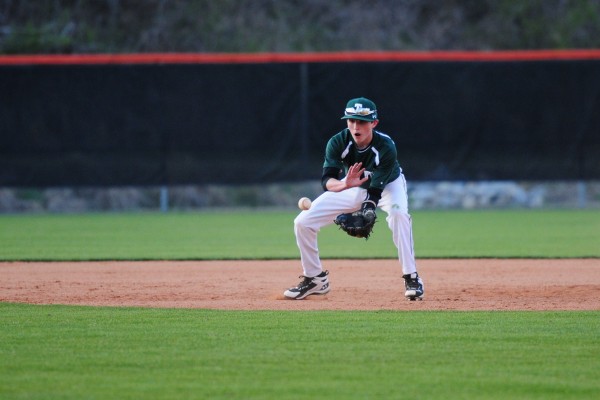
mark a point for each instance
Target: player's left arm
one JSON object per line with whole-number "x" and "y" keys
{"x": 382, "y": 175}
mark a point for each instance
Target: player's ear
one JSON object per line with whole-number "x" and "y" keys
{"x": 375, "y": 123}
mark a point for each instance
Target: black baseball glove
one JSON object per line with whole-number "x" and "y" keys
{"x": 358, "y": 223}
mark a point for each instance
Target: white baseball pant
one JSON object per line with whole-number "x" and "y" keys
{"x": 324, "y": 209}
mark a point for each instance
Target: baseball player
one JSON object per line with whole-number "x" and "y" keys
{"x": 360, "y": 172}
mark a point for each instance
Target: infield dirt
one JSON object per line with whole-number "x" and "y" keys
{"x": 450, "y": 284}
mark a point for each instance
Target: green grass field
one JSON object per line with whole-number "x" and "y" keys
{"x": 68, "y": 352}
{"x": 83, "y": 352}
{"x": 269, "y": 235}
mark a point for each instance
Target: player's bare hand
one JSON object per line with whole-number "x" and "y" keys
{"x": 355, "y": 175}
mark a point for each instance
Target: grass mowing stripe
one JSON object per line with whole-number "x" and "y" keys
{"x": 508, "y": 233}
{"x": 84, "y": 352}
{"x": 142, "y": 236}
{"x": 269, "y": 235}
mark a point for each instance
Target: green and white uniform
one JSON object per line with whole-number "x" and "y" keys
{"x": 379, "y": 159}
{"x": 381, "y": 165}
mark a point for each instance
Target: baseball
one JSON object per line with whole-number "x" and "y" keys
{"x": 304, "y": 203}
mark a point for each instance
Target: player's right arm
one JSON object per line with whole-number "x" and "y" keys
{"x": 333, "y": 167}
{"x": 353, "y": 178}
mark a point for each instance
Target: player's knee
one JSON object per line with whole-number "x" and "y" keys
{"x": 307, "y": 222}
{"x": 299, "y": 220}
{"x": 396, "y": 214}
{"x": 301, "y": 223}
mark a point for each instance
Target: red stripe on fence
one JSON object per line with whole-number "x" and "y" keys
{"x": 310, "y": 57}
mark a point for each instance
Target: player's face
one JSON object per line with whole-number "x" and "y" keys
{"x": 362, "y": 131}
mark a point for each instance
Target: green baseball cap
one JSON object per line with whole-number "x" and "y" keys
{"x": 360, "y": 108}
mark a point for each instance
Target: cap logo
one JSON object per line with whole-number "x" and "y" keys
{"x": 358, "y": 109}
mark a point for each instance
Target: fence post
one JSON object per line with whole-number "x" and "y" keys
{"x": 304, "y": 111}
{"x": 581, "y": 194}
{"x": 164, "y": 199}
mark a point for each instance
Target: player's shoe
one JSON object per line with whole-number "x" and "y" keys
{"x": 414, "y": 287}
{"x": 317, "y": 285}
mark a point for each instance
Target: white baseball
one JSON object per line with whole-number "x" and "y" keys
{"x": 304, "y": 203}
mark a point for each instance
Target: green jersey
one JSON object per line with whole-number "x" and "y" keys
{"x": 379, "y": 159}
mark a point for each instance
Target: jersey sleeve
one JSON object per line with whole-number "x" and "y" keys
{"x": 388, "y": 169}
{"x": 333, "y": 152}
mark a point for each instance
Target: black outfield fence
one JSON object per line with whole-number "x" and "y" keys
{"x": 111, "y": 120}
